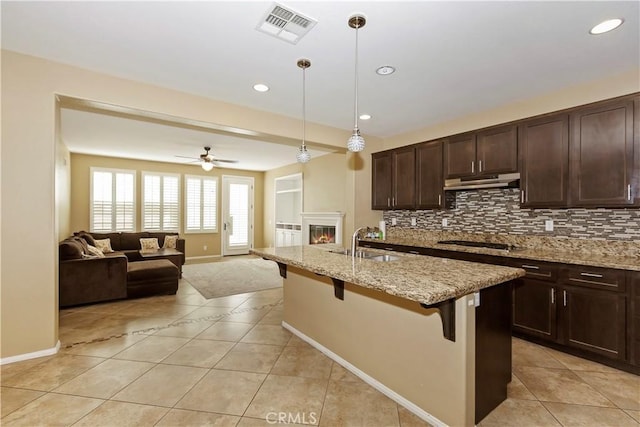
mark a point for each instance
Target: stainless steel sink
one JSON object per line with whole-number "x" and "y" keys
{"x": 373, "y": 256}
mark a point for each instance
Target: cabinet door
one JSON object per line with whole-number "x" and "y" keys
{"x": 429, "y": 185}
{"x": 460, "y": 156}
{"x": 403, "y": 194}
{"x": 633, "y": 318}
{"x": 381, "y": 180}
{"x": 601, "y": 155}
{"x": 534, "y": 308}
{"x": 497, "y": 151}
{"x": 594, "y": 321}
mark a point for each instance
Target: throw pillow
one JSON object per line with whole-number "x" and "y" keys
{"x": 104, "y": 245}
{"x": 149, "y": 244}
{"x": 92, "y": 250}
{"x": 170, "y": 242}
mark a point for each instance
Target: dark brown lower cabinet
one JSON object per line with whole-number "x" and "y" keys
{"x": 534, "y": 308}
{"x": 593, "y": 320}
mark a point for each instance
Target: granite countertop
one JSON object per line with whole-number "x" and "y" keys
{"x": 569, "y": 255}
{"x": 419, "y": 278}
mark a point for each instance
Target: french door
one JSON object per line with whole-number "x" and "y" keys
{"x": 237, "y": 215}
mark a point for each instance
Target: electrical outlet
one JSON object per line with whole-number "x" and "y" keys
{"x": 414, "y": 222}
{"x": 204, "y": 247}
{"x": 548, "y": 225}
{"x": 445, "y": 222}
{"x": 394, "y": 221}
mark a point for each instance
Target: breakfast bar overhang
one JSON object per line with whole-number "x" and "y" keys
{"x": 433, "y": 334}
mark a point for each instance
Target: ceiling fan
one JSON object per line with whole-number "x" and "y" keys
{"x": 207, "y": 160}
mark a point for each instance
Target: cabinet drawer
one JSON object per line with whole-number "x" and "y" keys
{"x": 536, "y": 269}
{"x": 593, "y": 277}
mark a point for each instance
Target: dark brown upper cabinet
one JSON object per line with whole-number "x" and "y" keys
{"x": 603, "y": 155}
{"x": 381, "y": 180}
{"x": 488, "y": 152}
{"x": 544, "y": 162}
{"x": 393, "y": 183}
{"x": 429, "y": 182}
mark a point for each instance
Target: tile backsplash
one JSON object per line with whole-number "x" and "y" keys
{"x": 498, "y": 211}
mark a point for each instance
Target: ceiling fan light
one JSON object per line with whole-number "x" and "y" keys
{"x": 355, "y": 142}
{"x": 207, "y": 166}
{"x": 303, "y": 155}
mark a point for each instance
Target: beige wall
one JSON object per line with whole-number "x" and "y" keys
{"x": 407, "y": 353}
{"x": 80, "y": 194}
{"x": 618, "y": 85}
{"x": 29, "y": 87}
{"x": 28, "y": 171}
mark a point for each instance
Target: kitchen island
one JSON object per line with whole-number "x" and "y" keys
{"x": 431, "y": 333}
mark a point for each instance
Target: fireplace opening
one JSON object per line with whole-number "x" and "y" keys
{"x": 320, "y": 234}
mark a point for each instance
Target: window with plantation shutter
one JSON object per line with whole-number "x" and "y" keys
{"x": 160, "y": 202}
{"x": 201, "y": 204}
{"x": 113, "y": 200}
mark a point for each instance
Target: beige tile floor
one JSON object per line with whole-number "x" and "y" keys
{"x": 183, "y": 360}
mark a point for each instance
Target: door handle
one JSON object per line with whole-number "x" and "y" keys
{"x": 553, "y": 295}
{"x": 564, "y": 298}
{"x": 479, "y": 165}
{"x": 473, "y": 167}
{"x": 522, "y": 196}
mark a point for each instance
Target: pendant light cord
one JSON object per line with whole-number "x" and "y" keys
{"x": 304, "y": 108}
{"x": 355, "y": 109}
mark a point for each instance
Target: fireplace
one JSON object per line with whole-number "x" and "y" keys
{"x": 319, "y": 234}
{"x": 321, "y": 227}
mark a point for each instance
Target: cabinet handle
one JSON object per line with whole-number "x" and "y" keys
{"x": 629, "y": 192}
{"x": 564, "y": 298}
{"x": 414, "y": 252}
{"x": 439, "y": 199}
{"x": 388, "y": 202}
{"x": 533, "y": 267}
{"x": 553, "y": 295}
{"x": 522, "y": 196}
{"x": 389, "y": 249}
{"x": 393, "y": 202}
{"x": 591, "y": 275}
{"x": 473, "y": 167}
{"x": 479, "y": 165}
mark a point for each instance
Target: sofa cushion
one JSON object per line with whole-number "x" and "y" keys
{"x": 86, "y": 236}
{"x": 151, "y": 270}
{"x": 69, "y": 249}
{"x": 104, "y": 245}
{"x": 129, "y": 241}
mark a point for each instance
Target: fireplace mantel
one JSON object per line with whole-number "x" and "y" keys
{"x": 322, "y": 218}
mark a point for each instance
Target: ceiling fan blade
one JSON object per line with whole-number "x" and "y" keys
{"x": 187, "y": 157}
{"x": 223, "y": 160}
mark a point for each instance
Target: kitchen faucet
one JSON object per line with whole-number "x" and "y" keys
{"x": 353, "y": 241}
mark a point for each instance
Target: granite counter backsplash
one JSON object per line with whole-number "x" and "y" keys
{"x": 423, "y": 279}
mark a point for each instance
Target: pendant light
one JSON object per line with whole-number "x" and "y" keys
{"x": 356, "y": 141}
{"x": 303, "y": 155}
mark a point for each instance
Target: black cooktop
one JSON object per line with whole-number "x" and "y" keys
{"x": 488, "y": 245}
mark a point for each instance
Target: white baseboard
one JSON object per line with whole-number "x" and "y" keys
{"x": 34, "y": 355}
{"x": 415, "y": 409}
{"x": 194, "y": 258}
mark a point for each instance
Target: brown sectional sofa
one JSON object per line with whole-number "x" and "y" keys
{"x": 120, "y": 274}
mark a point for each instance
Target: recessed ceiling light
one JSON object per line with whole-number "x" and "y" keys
{"x": 608, "y": 25}
{"x": 385, "y": 70}
{"x": 260, "y": 87}
{"x": 365, "y": 116}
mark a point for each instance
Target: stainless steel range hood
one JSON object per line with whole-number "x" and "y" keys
{"x": 497, "y": 181}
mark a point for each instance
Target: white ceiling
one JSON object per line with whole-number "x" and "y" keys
{"x": 452, "y": 59}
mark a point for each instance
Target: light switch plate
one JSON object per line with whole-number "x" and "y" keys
{"x": 413, "y": 222}
{"x": 548, "y": 225}
{"x": 394, "y": 221}
{"x": 445, "y": 222}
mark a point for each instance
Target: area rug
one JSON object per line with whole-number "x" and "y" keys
{"x": 232, "y": 276}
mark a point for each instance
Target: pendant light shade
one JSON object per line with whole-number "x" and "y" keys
{"x": 207, "y": 166}
{"x": 356, "y": 141}
{"x": 303, "y": 155}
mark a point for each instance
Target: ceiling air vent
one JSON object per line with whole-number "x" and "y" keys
{"x": 285, "y": 23}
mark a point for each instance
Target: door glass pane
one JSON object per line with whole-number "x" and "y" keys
{"x": 239, "y": 214}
